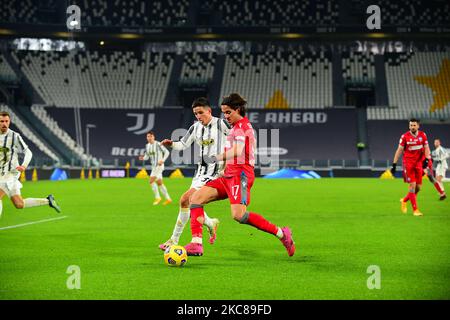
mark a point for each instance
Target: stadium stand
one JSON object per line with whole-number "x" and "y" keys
{"x": 18, "y": 11}
{"x": 415, "y": 12}
{"x": 29, "y": 136}
{"x": 358, "y": 67}
{"x": 389, "y": 113}
{"x": 119, "y": 79}
{"x": 198, "y": 65}
{"x": 277, "y": 13}
{"x": 280, "y": 79}
{"x": 418, "y": 85}
{"x": 134, "y": 13}
{"x": 158, "y": 13}
{"x": 30, "y": 11}
{"x": 407, "y": 13}
{"x": 6, "y": 72}
{"x": 98, "y": 12}
{"x": 50, "y": 123}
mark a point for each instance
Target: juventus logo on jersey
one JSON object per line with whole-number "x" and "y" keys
{"x": 207, "y": 142}
{"x": 211, "y": 139}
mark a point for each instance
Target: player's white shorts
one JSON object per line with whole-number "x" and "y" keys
{"x": 11, "y": 187}
{"x": 200, "y": 181}
{"x": 440, "y": 170}
{"x": 157, "y": 172}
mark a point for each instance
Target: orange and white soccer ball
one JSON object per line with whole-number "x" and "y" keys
{"x": 175, "y": 256}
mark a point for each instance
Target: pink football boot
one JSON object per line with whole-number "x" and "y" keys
{"x": 287, "y": 241}
{"x": 194, "y": 249}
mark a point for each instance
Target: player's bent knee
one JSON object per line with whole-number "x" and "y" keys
{"x": 198, "y": 198}
{"x": 19, "y": 205}
{"x": 184, "y": 201}
{"x": 241, "y": 217}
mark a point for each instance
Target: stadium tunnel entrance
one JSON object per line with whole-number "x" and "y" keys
{"x": 189, "y": 93}
{"x": 361, "y": 96}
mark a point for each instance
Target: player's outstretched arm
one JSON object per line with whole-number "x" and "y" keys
{"x": 186, "y": 141}
{"x": 167, "y": 143}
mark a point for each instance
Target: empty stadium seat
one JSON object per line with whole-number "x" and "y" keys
{"x": 19, "y": 11}
{"x": 133, "y": 13}
{"x": 6, "y": 72}
{"x": 119, "y": 79}
{"x": 198, "y": 65}
{"x": 418, "y": 85}
{"x": 358, "y": 67}
{"x": 415, "y": 12}
{"x": 280, "y": 79}
{"x": 50, "y": 123}
{"x": 277, "y": 13}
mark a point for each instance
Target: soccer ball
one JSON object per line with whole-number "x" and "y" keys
{"x": 175, "y": 256}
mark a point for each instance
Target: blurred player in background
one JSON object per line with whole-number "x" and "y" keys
{"x": 11, "y": 144}
{"x": 416, "y": 157}
{"x": 440, "y": 159}
{"x": 157, "y": 154}
{"x": 236, "y": 181}
{"x": 210, "y": 134}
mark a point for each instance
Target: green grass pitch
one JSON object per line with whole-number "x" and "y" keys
{"x": 340, "y": 226}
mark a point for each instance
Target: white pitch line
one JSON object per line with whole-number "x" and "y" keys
{"x": 34, "y": 222}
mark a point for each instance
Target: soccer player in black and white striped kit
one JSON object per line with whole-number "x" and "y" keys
{"x": 157, "y": 154}
{"x": 440, "y": 158}
{"x": 209, "y": 133}
{"x": 11, "y": 144}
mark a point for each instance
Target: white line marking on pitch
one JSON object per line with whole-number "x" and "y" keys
{"x": 34, "y": 222}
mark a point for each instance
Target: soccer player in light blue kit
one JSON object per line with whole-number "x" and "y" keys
{"x": 11, "y": 143}
{"x": 157, "y": 154}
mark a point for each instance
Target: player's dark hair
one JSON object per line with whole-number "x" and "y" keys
{"x": 235, "y": 102}
{"x": 4, "y": 114}
{"x": 152, "y": 133}
{"x": 414, "y": 120}
{"x": 201, "y": 102}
